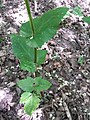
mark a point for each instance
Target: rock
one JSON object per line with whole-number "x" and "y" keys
{"x": 3, "y": 59}
{"x": 11, "y": 57}
{"x": 52, "y": 43}
{"x": 11, "y": 84}
{"x": 38, "y": 115}
{"x": 1, "y": 53}
{"x": 2, "y": 94}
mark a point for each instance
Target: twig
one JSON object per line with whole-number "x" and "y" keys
{"x": 35, "y": 3}
{"x": 66, "y": 106}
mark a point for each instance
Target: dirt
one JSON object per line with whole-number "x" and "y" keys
{"x": 69, "y": 96}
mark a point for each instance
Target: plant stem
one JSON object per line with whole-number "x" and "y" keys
{"x": 35, "y": 55}
{"x": 30, "y": 16}
{"x": 32, "y": 27}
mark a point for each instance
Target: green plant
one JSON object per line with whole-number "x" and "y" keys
{"x": 77, "y": 11}
{"x": 1, "y": 39}
{"x": 81, "y": 60}
{"x": 86, "y": 19}
{"x": 27, "y": 48}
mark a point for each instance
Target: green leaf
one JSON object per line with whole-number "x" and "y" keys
{"x": 26, "y": 30}
{"x": 26, "y": 54}
{"x": 26, "y": 84}
{"x": 86, "y": 19}
{"x": 24, "y": 97}
{"x": 45, "y": 27}
{"x": 31, "y": 102}
{"x": 77, "y": 11}
{"x": 38, "y": 84}
{"x": 81, "y": 60}
{"x": 21, "y": 49}
{"x": 41, "y": 55}
{"x": 41, "y": 84}
{"x": 28, "y": 65}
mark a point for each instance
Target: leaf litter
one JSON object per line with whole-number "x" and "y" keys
{"x": 70, "y": 93}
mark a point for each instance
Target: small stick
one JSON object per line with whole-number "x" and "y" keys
{"x": 66, "y": 106}
{"x": 35, "y": 3}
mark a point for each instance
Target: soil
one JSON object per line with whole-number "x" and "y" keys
{"x": 69, "y": 96}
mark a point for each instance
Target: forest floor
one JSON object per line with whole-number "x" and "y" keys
{"x": 69, "y": 96}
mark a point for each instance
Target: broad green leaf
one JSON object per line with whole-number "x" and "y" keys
{"x": 45, "y": 27}
{"x": 26, "y": 84}
{"x": 26, "y": 53}
{"x": 28, "y": 65}
{"x": 31, "y": 102}
{"x": 38, "y": 84}
{"x": 41, "y": 84}
{"x": 25, "y": 30}
{"x": 24, "y": 97}
{"x": 21, "y": 49}
{"x": 86, "y": 19}
{"x": 41, "y": 56}
{"x": 77, "y": 11}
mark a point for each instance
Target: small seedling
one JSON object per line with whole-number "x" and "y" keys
{"x": 27, "y": 48}
{"x": 1, "y": 39}
{"x": 86, "y": 19}
{"x": 81, "y": 60}
{"x": 77, "y": 11}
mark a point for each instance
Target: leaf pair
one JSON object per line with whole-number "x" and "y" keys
{"x": 26, "y": 53}
{"x": 38, "y": 84}
{"x": 28, "y": 98}
{"x": 45, "y": 28}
